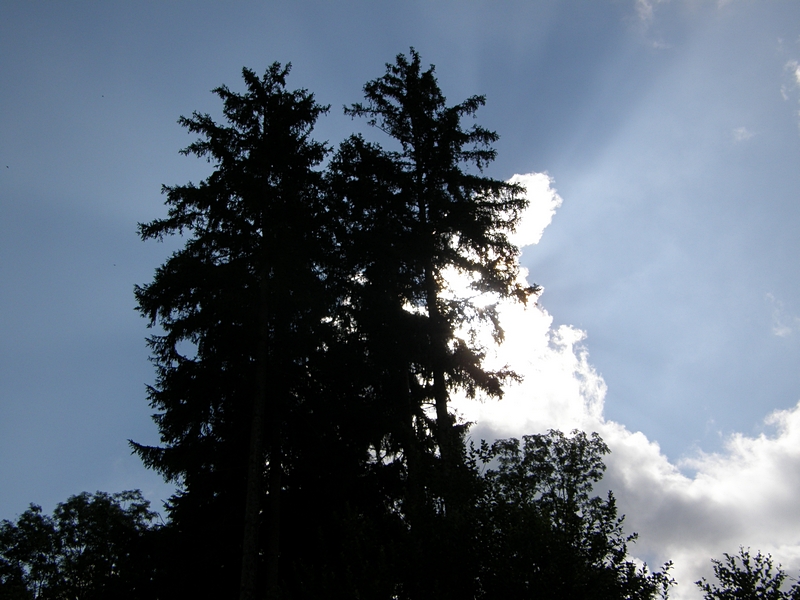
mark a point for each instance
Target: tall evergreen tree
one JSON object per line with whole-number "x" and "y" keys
{"x": 446, "y": 217}
{"x": 414, "y": 215}
{"x": 241, "y": 306}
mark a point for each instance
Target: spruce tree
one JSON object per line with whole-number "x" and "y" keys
{"x": 240, "y": 307}
{"x": 418, "y": 212}
{"x": 448, "y": 217}
{"x": 309, "y": 342}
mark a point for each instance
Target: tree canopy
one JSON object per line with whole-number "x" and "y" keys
{"x": 94, "y": 546}
{"x": 744, "y": 576}
{"x": 541, "y": 533}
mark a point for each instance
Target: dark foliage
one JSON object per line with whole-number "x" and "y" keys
{"x": 92, "y": 547}
{"x": 307, "y": 348}
{"x": 541, "y": 534}
{"x": 248, "y": 294}
{"x": 747, "y": 577}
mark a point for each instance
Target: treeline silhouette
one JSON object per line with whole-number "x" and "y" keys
{"x": 307, "y": 346}
{"x": 527, "y": 527}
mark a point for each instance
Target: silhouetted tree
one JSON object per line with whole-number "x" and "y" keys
{"x": 241, "y": 306}
{"x": 447, "y": 218}
{"x": 746, "y": 577}
{"x": 540, "y": 532}
{"x": 415, "y": 216}
{"x": 309, "y": 343}
{"x": 94, "y": 546}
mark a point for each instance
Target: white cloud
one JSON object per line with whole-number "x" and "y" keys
{"x": 543, "y": 201}
{"x": 794, "y": 69}
{"x": 745, "y": 495}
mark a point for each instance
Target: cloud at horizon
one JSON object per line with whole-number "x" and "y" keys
{"x": 688, "y": 512}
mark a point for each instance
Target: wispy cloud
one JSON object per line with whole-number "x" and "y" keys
{"x": 744, "y": 495}
{"x": 783, "y": 324}
{"x": 645, "y": 9}
{"x": 645, "y": 16}
{"x": 791, "y": 84}
{"x": 741, "y": 134}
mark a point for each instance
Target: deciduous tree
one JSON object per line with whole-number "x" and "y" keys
{"x": 746, "y": 577}
{"x": 93, "y": 546}
{"x": 541, "y": 532}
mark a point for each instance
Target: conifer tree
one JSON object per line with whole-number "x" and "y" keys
{"x": 448, "y": 217}
{"x": 417, "y": 212}
{"x": 309, "y": 342}
{"x": 240, "y": 306}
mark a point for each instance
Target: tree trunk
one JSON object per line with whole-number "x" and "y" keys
{"x": 275, "y": 472}
{"x": 444, "y": 423}
{"x": 255, "y": 467}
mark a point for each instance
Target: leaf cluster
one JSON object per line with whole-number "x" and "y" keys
{"x": 745, "y": 576}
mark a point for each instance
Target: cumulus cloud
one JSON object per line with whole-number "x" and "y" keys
{"x": 543, "y": 201}
{"x": 745, "y": 495}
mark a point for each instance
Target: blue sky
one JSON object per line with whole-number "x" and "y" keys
{"x": 669, "y": 129}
